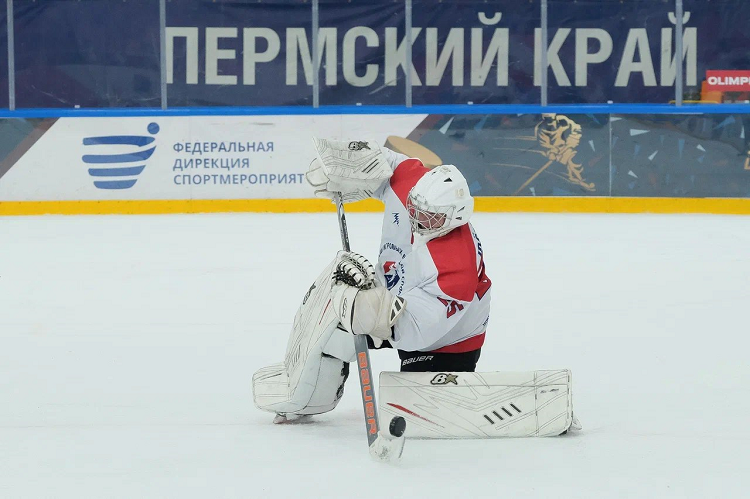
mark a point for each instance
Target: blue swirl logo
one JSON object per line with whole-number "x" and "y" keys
{"x": 119, "y": 170}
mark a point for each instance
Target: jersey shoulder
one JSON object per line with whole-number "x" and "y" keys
{"x": 455, "y": 257}
{"x": 405, "y": 176}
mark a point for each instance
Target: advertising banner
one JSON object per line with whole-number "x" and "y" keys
{"x": 728, "y": 81}
{"x": 594, "y": 155}
{"x": 265, "y": 157}
{"x": 181, "y": 158}
{"x": 86, "y": 53}
{"x": 718, "y": 28}
{"x": 239, "y": 53}
{"x": 470, "y": 51}
{"x": 90, "y": 53}
{"x": 363, "y": 53}
{"x": 519, "y": 155}
{"x": 3, "y": 67}
{"x": 602, "y": 51}
{"x": 681, "y": 156}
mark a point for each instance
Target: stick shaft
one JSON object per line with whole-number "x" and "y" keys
{"x": 364, "y": 368}
{"x": 342, "y": 222}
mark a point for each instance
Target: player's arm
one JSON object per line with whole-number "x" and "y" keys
{"x": 394, "y": 158}
{"x": 363, "y": 305}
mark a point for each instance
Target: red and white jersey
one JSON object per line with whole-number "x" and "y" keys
{"x": 446, "y": 289}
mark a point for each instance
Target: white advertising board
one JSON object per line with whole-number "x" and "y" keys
{"x": 183, "y": 158}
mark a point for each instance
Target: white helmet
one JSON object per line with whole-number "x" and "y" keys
{"x": 439, "y": 202}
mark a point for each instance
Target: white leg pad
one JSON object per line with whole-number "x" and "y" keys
{"x": 479, "y": 405}
{"x": 314, "y": 394}
{"x": 311, "y": 378}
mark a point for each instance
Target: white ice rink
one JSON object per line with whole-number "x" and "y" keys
{"x": 127, "y": 346}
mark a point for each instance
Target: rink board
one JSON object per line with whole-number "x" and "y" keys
{"x": 489, "y": 204}
{"x": 536, "y": 162}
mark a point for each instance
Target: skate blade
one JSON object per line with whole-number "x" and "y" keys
{"x": 292, "y": 419}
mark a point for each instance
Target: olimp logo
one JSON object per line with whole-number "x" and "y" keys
{"x": 119, "y": 159}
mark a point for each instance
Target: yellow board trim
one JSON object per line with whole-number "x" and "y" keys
{"x": 168, "y": 206}
{"x": 721, "y": 206}
{"x": 717, "y": 206}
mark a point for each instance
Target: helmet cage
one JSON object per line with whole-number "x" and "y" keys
{"x": 427, "y": 219}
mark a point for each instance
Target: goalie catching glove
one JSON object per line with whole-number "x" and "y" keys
{"x": 355, "y": 168}
{"x": 363, "y": 305}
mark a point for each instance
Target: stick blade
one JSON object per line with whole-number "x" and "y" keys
{"x": 386, "y": 448}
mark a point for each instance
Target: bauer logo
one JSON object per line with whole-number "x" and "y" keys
{"x": 115, "y": 161}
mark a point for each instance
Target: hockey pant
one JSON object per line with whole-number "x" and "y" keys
{"x": 434, "y": 361}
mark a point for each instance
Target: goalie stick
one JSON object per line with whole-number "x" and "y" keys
{"x": 382, "y": 447}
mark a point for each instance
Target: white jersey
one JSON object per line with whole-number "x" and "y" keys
{"x": 446, "y": 289}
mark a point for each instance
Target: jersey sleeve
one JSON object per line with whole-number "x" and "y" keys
{"x": 394, "y": 158}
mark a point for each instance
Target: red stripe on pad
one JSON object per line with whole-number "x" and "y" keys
{"x": 412, "y": 413}
{"x": 324, "y": 312}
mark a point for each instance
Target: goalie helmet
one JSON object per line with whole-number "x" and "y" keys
{"x": 439, "y": 202}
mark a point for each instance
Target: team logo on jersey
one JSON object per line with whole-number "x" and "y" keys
{"x": 444, "y": 379}
{"x": 358, "y": 145}
{"x": 391, "y": 274}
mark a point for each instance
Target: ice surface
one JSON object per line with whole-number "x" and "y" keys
{"x": 127, "y": 345}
